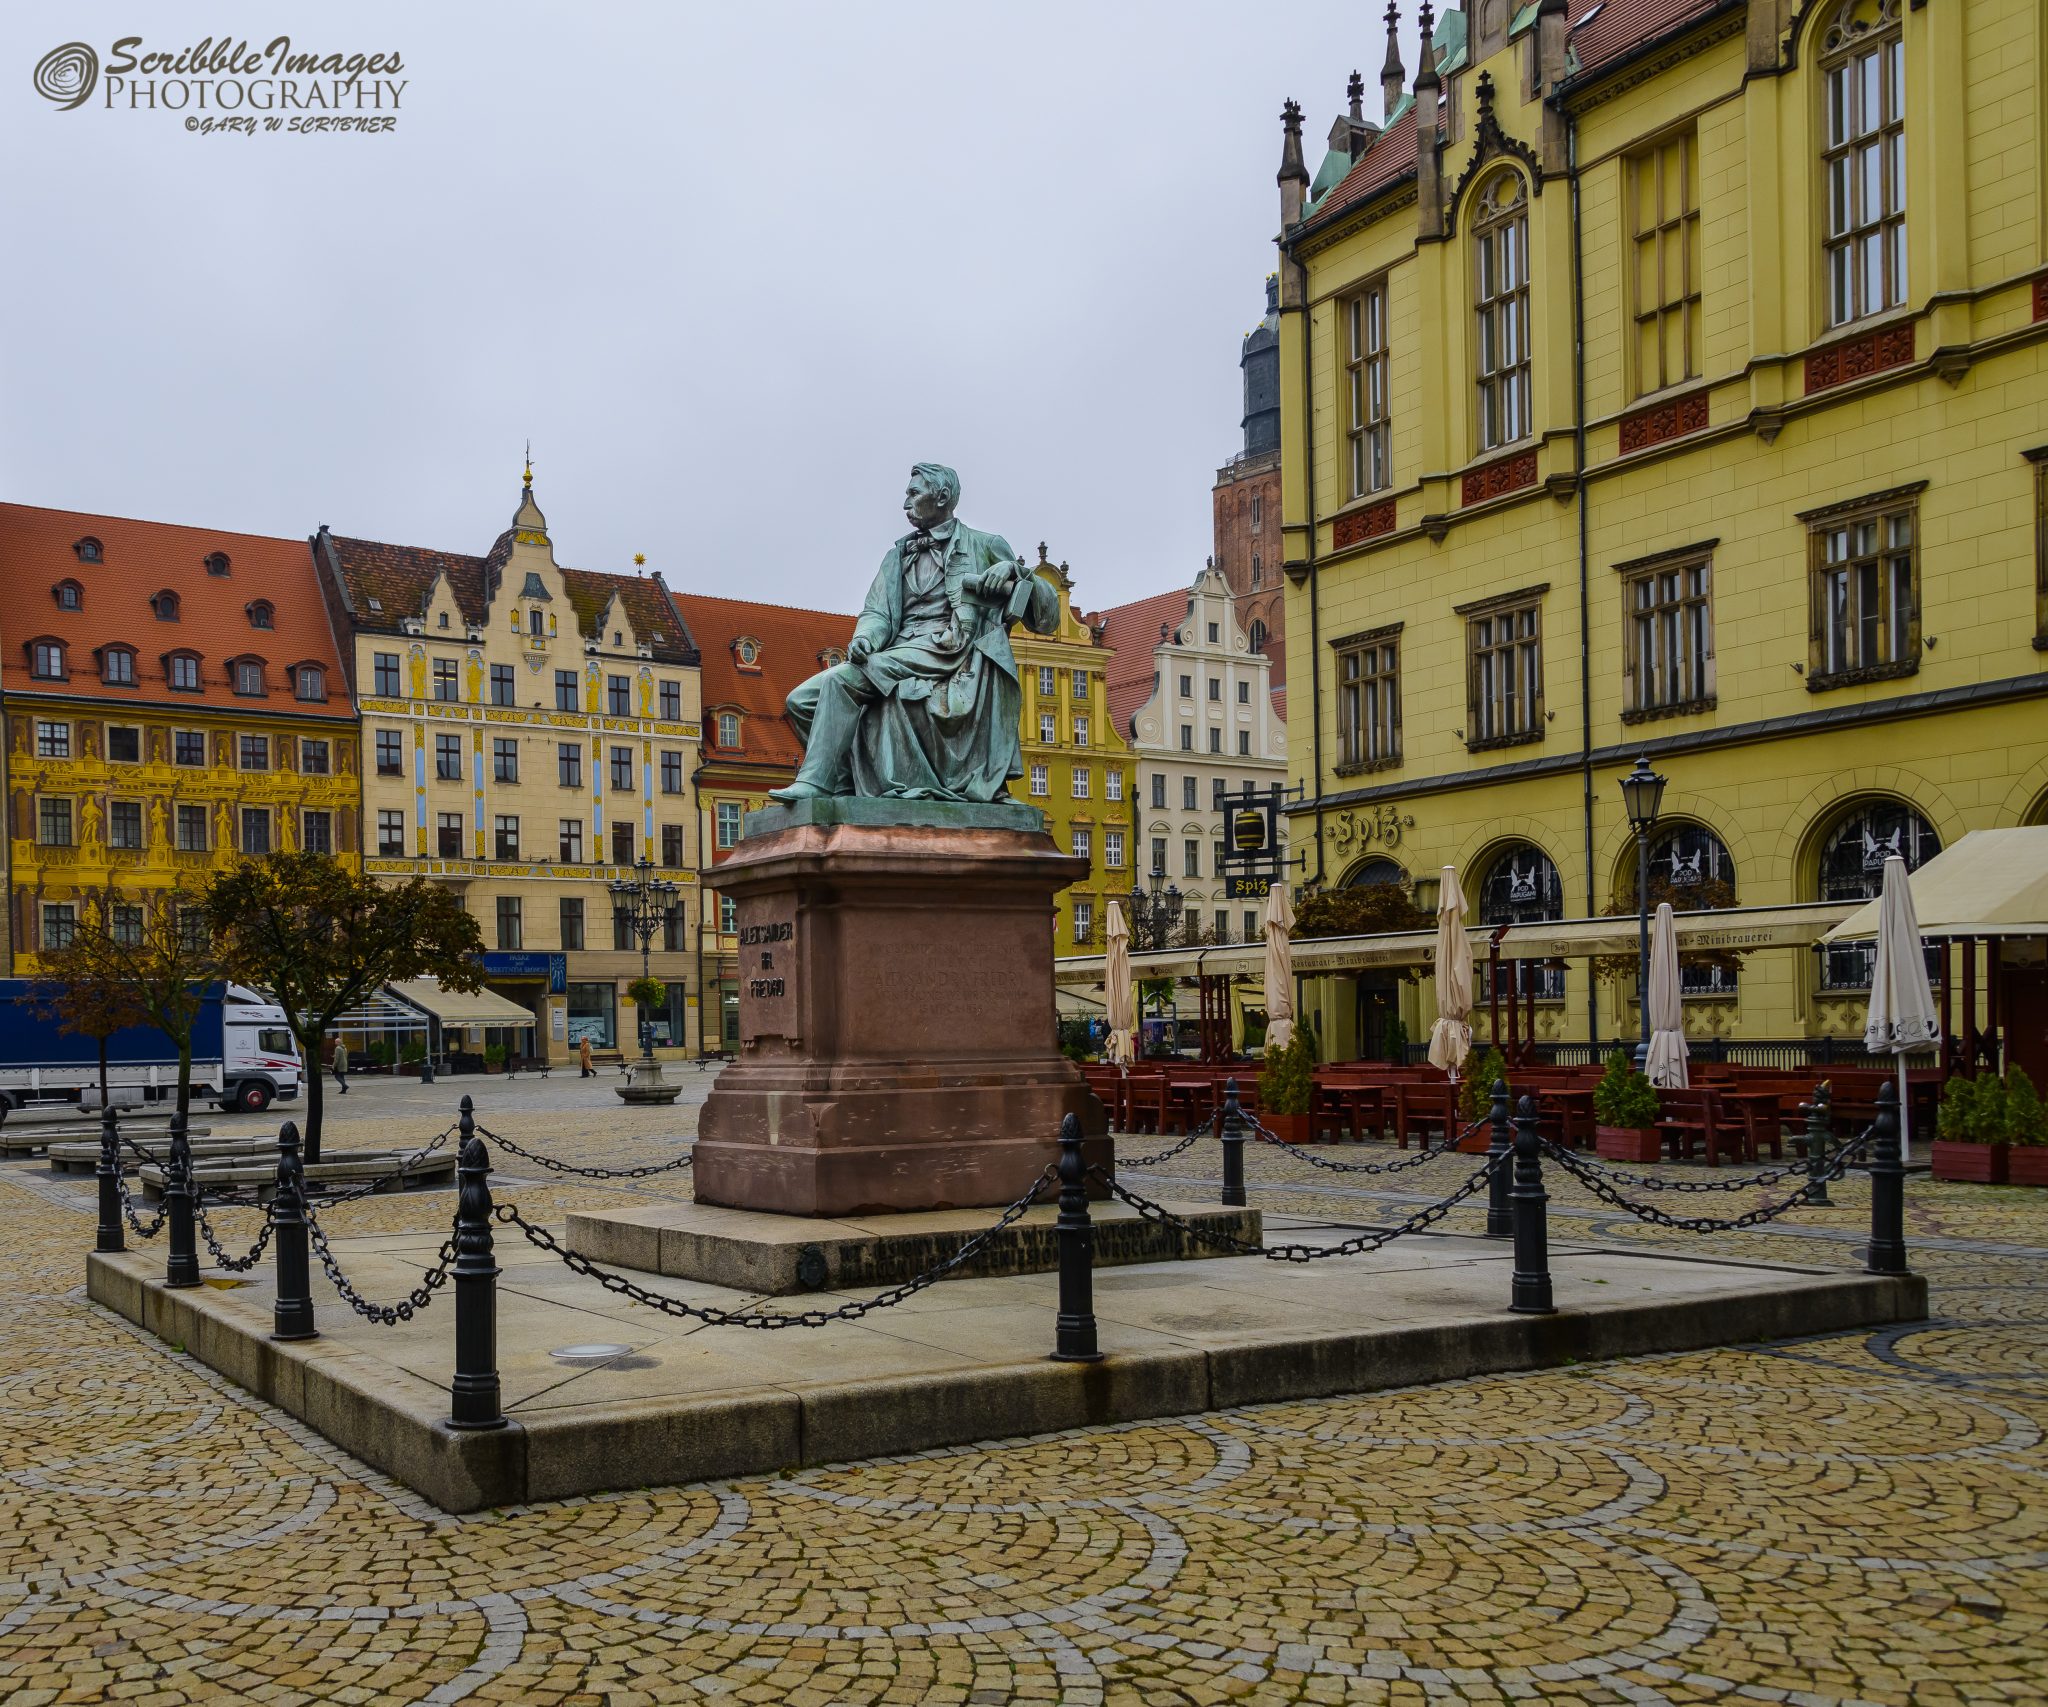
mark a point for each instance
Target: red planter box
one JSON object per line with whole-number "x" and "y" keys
{"x": 1977, "y": 1164}
{"x": 1291, "y": 1127}
{"x": 1628, "y": 1144}
{"x": 2027, "y": 1164}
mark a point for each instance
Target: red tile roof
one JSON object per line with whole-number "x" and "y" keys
{"x": 791, "y": 641}
{"x": 1279, "y": 698}
{"x": 1133, "y": 630}
{"x": 138, "y": 561}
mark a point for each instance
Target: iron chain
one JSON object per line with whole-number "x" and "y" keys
{"x": 1266, "y": 1135}
{"x": 642, "y": 1172}
{"x": 1593, "y": 1180}
{"x": 221, "y": 1259}
{"x": 1770, "y": 1176}
{"x": 397, "y": 1173}
{"x": 1212, "y": 1124}
{"x": 542, "y": 1239}
{"x": 134, "y": 1220}
{"x": 385, "y": 1315}
{"x": 1300, "y": 1253}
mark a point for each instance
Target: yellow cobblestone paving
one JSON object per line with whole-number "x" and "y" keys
{"x": 1849, "y": 1519}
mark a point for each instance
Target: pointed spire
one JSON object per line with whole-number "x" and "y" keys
{"x": 1425, "y": 73}
{"x": 1355, "y": 93}
{"x": 1393, "y": 75}
{"x": 1291, "y": 167}
{"x": 1485, "y": 94}
{"x": 528, "y": 482}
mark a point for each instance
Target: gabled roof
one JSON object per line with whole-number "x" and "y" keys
{"x": 791, "y": 641}
{"x": 139, "y": 560}
{"x": 1133, "y": 630}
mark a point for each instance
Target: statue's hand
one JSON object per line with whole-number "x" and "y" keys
{"x": 996, "y": 582}
{"x": 857, "y": 652}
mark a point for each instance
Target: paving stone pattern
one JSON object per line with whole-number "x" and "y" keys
{"x": 1850, "y": 1519}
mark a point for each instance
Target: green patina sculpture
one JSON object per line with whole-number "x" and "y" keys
{"x": 926, "y": 705}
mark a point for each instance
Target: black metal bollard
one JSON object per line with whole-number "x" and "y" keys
{"x": 291, "y": 1318}
{"x": 1819, "y": 1141}
{"x": 109, "y": 1171}
{"x": 474, "y": 1391}
{"x": 181, "y": 1268}
{"x": 1233, "y": 1148}
{"x": 1530, "y": 1295}
{"x": 1500, "y": 1215}
{"x": 1074, "y": 1340}
{"x": 1887, "y": 1252}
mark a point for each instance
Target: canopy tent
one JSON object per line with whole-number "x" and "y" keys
{"x": 459, "y": 1007}
{"x": 1992, "y": 883}
{"x": 379, "y": 1012}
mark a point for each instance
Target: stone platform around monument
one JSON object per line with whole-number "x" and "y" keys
{"x": 960, "y": 1362}
{"x": 780, "y": 1254}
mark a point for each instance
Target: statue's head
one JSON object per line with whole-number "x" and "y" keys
{"x": 933, "y": 493}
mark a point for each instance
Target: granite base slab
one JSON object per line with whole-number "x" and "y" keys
{"x": 752, "y": 1251}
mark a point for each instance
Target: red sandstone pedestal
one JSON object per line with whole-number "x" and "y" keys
{"x": 897, "y": 1039}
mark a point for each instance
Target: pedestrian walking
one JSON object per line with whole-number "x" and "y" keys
{"x": 583, "y": 1055}
{"x": 341, "y": 1065}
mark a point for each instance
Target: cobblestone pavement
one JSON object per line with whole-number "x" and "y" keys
{"x": 1855, "y": 1518}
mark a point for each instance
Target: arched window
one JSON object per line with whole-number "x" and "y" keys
{"x": 47, "y": 660}
{"x": 1852, "y": 869}
{"x": 117, "y": 666}
{"x": 1691, "y": 868}
{"x": 1521, "y": 886}
{"x": 1258, "y": 571}
{"x": 311, "y": 681}
{"x": 1375, "y": 871}
{"x": 1863, "y": 158}
{"x": 182, "y": 670}
{"x": 728, "y": 729}
{"x": 69, "y": 595}
{"x": 165, "y": 604}
{"x": 1258, "y": 635}
{"x": 249, "y": 677}
{"x": 217, "y": 563}
{"x": 89, "y": 551}
{"x": 261, "y": 615}
{"x": 1500, "y": 301}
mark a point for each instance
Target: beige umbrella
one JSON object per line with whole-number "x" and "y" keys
{"x": 1665, "y": 1064}
{"x": 1450, "y": 1039}
{"x": 1279, "y": 969}
{"x": 1122, "y": 998}
{"x": 1902, "y": 1015}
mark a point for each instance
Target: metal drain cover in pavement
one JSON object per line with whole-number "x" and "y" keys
{"x": 589, "y": 1353}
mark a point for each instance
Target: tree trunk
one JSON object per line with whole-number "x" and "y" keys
{"x": 185, "y": 1076}
{"x": 310, "y": 1149}
{"x": 103, "y": 1072}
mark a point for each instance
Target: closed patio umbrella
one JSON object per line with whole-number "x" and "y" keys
{"x": 1902, "y": 1014}
{"x": 1665, "y": 1066}
{"x": 1122, "y": 998}
{"x": 1279, "y": 969}
{"x": 1450, "y": 1039}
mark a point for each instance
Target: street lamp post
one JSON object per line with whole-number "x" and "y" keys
{"x": 1642, "y": 792}
{"x": 640, "y": 903}
{"x": 1154, "y": 915}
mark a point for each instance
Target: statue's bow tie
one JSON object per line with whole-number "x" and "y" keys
{"x": 921, "y": 542}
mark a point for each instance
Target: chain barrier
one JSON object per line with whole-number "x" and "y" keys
{"x": 135, "y": 1222}
{"x": 385, "y": 1315}
{"x": 542, "y": 1239}
{"x": 152, "y": 1161}
{"x": 642, "y": 1172}
{"x": 1266, "y": 1135}
{"x": 221, "y": 1259}
{"x": 357, "y": 1193}
{"x": 1770, "y": 1176}
{"x": 1593, "y": 1180}
{"x": 1363, "y": 1243}
{"x": 1212, "y": 1124}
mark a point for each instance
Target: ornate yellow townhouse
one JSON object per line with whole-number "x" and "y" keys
{"x": 174, "y": 699}
{"x": 1078, "y": 769}
{"x": 529, "y": 732}
{"x": 1670, "y": 378}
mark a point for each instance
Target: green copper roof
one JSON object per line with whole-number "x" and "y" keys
{"x": 1330, "y": 173}
{"x": 1450, "y": 40}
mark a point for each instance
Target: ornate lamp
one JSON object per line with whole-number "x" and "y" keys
{"x": 1642, "y": 793}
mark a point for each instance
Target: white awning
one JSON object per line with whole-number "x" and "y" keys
{"x": 1991, "y": 883}
{"x": 452, "y": 1007}
{"x": 1797, "y": 926}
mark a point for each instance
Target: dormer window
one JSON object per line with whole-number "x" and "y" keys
{"x": 117, "y": 666}
{"x": 216, "y": 563}
{"x": 728, "y": 729}
{"x": 248, "y": 674}
{"x": 618, "y": 639}
{"x": 46, "y": 661}
{"x": 444, "y": 619}
{"x": 376, "y": 604}
{"x": 69, "y": 595}
{"x": 182, "y": 670}
{"x": 310, "y": 682}
{"x": 89, "y": 550}
{"x": 165, "y": 604}
{"x": 261, "y": 615}
{"x": 748, "y": 651}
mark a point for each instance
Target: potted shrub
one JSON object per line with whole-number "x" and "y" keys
{"x": 412, "y": 1052}
{"x": 494, "y": 1057}
{"x": 1286, "y": 1086}
{"x": 380, "y": 1053}
{"x": 1970, "y": 1145}
{"x": 1625, "y": 1114}
{"x": 1475, "y": 1097}
{"x": 2026, "y": 1129}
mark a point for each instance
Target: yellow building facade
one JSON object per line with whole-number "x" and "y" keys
{"x": 1077, "y": 770}
{"x": 1677, "y": 387}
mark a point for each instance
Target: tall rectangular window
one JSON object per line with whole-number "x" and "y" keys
{"x": 727, "y": 815}
{"x": 1081, "y": 777}
{"x": 566, "y": 696}
{"x": 1864, "y": 159}
{"x": 1670, "y": 640}
{"x": 188, "y": 747}
{"x": 53, "y": 740}
{"x": 448, "y": 757}
{"x": 191, "y": 831}
{"x": 622, "y": 770}
{"x": 1159, "y": 856}
{"x": 572, "y": 921}
{"x": 1084, "y": 922}
{"x": 618, "y": 691}
{"x": 255, "y": 752}
{"x": 1045, "y": 679}
{"x": 1664, "y": 212}
{"x": 504, "y": 759}
{"x": 511, "y": 927}
{"x": 1369, "y": 700}
{"x": 124, "y": 824}
{"x": 506, "y": 838}
{"x": 1040, "y": 784}
{"x": 1191, "y": 859}
{"x": 315, "y": 758}
{"x": 571, "y": 841}
{"x": 671, "y": 773}
{"x": 2039, "y": 458}
{"x": 671, "y": 701}
{"x": 448, "y": 835}
{"x": 390, "y": 833}
{"x": 1188, "y": 789}
{"x": 1081, "y": 842}
{"x": 255, "y": 830}
{"x": 390, "y": 752}
{"x": 60, "y": 924}
{"x": 501, "y": 684}
{"x": 1500, "y": 248}
{"x": 1865, "y": 594}
{"x": 569, "y": 764}
{"x": 622, "y": 844}
{"x": 384, "y": 674}
{"x": 1158, "y": 791}
{"x": 1113, "y": 849}
{"x": 672, "y": 844}
{"x": 53, "y": 822}
{"x": 316, "y": 832}
{"x": 1506, "y": 674}
{"x": 444, "y": 678}
{"x": 1365, "y": 393}
{"x": 1048, "y": 728}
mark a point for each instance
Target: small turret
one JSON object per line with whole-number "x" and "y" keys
{"x": 1393, "y": 75}
{"x": 1429, "y": 178}
{"x": 1293, "y": 175}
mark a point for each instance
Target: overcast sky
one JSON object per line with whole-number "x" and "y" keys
{"x": 731, "y": 268}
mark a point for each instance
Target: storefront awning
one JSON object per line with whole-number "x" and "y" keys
{"x": 451, "y": 1007}
{"x": 1991, "y": 883}
{"x": 1555, "y": 939}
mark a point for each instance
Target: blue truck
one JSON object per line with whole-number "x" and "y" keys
{"x": 243, "y": 1055}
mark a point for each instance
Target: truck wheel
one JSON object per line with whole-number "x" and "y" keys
{"x": 253, "y": 1098}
